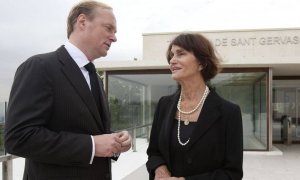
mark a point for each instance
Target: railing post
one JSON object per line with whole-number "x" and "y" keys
{"x": 7, "y": 170}
{"x": 7, "y": 165}
{"x": 148, "y": 133}
{"x": 134, "y": 139}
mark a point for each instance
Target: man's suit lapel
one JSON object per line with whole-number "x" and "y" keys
{"x": 208, "y": 116}
{"x": 74, "y": 75}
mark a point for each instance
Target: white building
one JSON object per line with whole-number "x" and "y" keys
{"x": 261, "y": 73}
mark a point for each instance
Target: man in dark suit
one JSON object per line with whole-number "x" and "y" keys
{"x": 53, "y": 119}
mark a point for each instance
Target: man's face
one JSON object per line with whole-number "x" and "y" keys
{"x": 100, "y": 33}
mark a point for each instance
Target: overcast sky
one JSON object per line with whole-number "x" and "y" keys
{"x": 29, "y": 27}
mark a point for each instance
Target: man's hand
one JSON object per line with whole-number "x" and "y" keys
{"x": 106, "y": 145}
{"x": 125, "y": 140}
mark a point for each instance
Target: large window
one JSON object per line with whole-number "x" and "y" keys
{"x": 133, "y": 96}
{"x": 248, "y": 90}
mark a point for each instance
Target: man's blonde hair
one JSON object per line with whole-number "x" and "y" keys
{"x": 87, "y": 8}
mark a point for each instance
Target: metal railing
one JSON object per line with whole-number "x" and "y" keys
{"x": 7, "y": 166}
{"x": 7, "y": 159}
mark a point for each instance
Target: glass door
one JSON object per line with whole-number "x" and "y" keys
{"x": 297, "y": 123}
{"x": 286, "y": 102}
{"x": 284, "y": 106}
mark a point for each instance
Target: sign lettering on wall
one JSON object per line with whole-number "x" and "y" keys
{"x": 267, "y": 46}
{"x": 258, "y": 41}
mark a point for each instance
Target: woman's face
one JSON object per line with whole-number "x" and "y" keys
{"x": 183, "y": 64}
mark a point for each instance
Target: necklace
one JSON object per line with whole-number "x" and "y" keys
{"x": 197, "y": 106}
{"x": 186, "y": 122}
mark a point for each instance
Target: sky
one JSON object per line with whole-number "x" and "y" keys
{"x": 30, "y": 27}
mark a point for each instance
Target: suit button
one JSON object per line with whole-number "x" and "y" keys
{"x": 107, "y": 176}
{"x": 189, "y": 160}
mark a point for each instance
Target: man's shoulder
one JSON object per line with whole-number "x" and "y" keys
{"x": 45, "y": 60}
{"x": 47, "y": 56}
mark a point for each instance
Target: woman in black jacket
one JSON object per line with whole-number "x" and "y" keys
{"x": 196, "y": 134}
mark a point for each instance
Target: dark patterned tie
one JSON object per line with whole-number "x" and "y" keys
{"x": 95, "y": 88}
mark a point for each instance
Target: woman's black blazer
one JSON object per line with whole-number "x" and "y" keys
{"x": 215, "y": 150}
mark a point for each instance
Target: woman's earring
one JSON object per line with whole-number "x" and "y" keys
{"x": 200, "y": 67}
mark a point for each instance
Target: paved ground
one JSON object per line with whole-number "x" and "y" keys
{"x": 280, "y": 164}
{"x": 274, "y": 167}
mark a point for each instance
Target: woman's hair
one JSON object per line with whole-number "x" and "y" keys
{"x": 202, "y": 49}
{"x": 85, "y": 7}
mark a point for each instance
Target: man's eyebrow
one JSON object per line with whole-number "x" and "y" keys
{"x": 112, "y": 27}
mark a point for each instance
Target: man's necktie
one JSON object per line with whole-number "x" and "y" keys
{"x": 95, "y": 88}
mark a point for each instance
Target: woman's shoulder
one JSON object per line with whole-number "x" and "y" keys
{"x": 170, "y": 97}
{"x": 224, "y": 102}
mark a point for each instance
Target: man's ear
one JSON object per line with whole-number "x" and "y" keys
{"x": 81, "y": 21}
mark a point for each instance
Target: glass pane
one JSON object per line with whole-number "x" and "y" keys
{"x": 248, "y": 90}
{"x": 133, "y": 98}
{"x": 260, "y": 113}
{"x": 286, "y": 103}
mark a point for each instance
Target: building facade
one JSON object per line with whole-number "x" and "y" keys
{"x": 261, "y": 73}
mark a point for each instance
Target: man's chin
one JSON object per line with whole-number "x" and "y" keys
{"x": 103, "y": 54}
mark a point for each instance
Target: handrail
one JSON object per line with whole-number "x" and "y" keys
{"x": 134, "y": 127}
{"x": 7, "y": 159}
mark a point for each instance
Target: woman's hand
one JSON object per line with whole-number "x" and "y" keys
{"x": 171, "y": 178}
{"x": 162, "y": 172}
